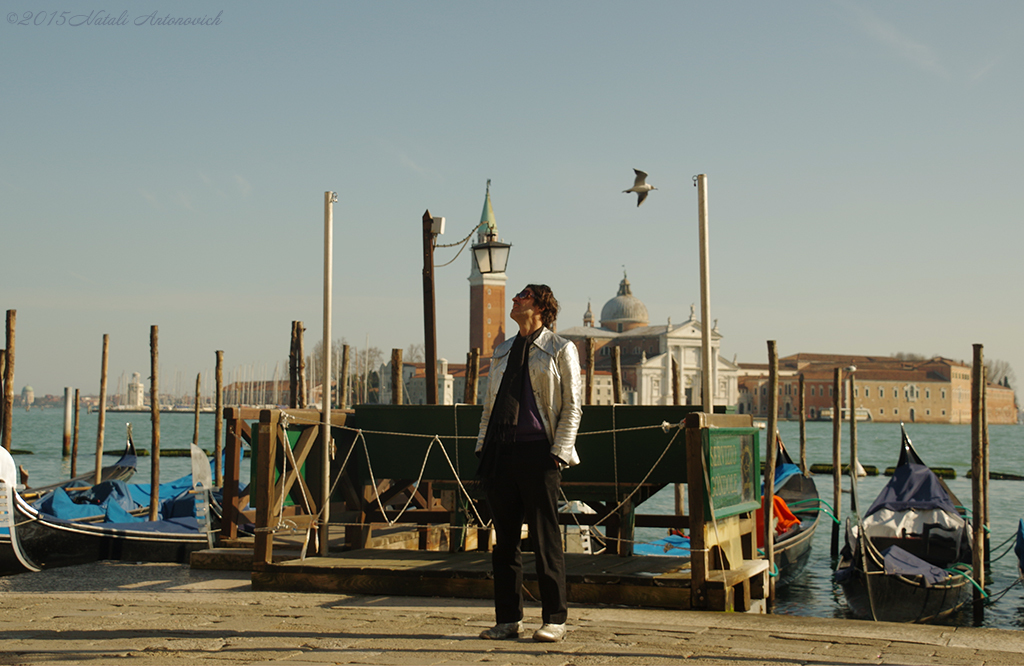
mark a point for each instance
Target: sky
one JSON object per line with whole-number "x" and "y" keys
{"x": 863, "y": 160}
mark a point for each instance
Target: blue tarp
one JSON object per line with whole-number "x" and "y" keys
{"x": 899, "y": 561}
{"x": 116, "y": 499}
{"x": 913, "y": 486}
{"x": 674, "y": 545}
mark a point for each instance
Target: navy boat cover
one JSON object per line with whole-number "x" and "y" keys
{"x": 913, "y": 486}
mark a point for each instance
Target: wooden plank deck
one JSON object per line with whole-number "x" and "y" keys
{"x": 646, "y": 581}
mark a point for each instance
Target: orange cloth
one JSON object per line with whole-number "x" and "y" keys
{"x": 784, "y": 518}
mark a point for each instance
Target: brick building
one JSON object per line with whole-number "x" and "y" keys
{"x": 885, "y": 389}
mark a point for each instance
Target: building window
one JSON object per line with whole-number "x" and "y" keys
{"x": 881, "y": 411}
{"x": 896, "y": 411}
{"x": 943, "y": 397}
{"x": 927, "y": 394}
{"x": 830, "y": 391}
{"x": 927, "y": 412}
{"x": 895, "y": 392}
{"x": 812, "y": 393}
{"x": 881, "y": 392}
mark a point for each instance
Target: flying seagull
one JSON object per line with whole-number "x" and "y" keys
{"x": 640, "y": 187}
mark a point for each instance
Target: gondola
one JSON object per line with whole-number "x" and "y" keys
{"x": 793, "y": 547}
{"x": 1018, "y": 548}
{"x": 122, "y": 470}
{"x": 908, "y": 559}
{"x": 32, "y": 539}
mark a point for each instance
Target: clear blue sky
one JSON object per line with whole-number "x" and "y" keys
{"x": 864, "y": 162}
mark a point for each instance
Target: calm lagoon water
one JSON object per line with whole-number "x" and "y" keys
{"x": 40, "y": 431}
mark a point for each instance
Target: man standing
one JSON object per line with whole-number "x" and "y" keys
{"x": 527, "y": 435}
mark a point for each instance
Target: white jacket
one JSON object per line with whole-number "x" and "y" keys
{"x": 555, "y": 377}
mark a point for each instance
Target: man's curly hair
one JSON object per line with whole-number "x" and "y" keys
{"x": 545, "y": 301}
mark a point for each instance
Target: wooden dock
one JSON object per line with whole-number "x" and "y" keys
{"x": 644, "y": 581}
{"x": 632, "y": 452}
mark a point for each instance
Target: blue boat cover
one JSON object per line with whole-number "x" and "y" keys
{"x": 913, "y": 486}
{"x": 116, "y": 499}
{"x": 782, "y": 472}
{"x": 899, "y": 561}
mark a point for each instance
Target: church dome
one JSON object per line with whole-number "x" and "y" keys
{"x": 625, "y": 311}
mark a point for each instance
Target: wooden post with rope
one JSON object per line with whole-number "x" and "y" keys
{"x": 978, "y": 477}
{"x": 837, "y": 470}
{"x": 154, "y": 410}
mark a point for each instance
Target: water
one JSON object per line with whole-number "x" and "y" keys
{"x": 41, "y": 431}
{"x": 877, "y": 443}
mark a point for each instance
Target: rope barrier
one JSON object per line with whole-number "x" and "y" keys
{"x": 288, "y": 420}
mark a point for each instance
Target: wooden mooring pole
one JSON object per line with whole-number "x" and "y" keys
{"x": 154, "y": 416}
{"x": 472, "y": 376}
{"x": 195, "y": 428}
{"x": 802, "y": 394}
{"x": 8, "y": 409}
{"x": 103, "y": 409}
{"x": 293, "y": 368}
{"x": 343, "y": 380}
{"x": 837, "y": 469}
{"x": 616, "y": 375}
{"x": 218, "y": 420}
{"x": 588, "y": 396}
{"x": 74, "y": 441}
{"x": 978, "y": 480}
{"x": 68, "y": 413}
{"x": 854, "y": 462}
{"x": 396, "y": 377}
{"x": 771, "y": 449}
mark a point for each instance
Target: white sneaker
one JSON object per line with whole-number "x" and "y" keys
{"x": 550, "y": 633}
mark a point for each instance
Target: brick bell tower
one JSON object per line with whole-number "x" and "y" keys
{"x": 486, "y": 293}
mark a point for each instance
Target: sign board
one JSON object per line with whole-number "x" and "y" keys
{"x": 732, "y": 457}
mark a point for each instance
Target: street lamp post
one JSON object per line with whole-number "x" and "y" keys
{"x": 491, "y": 256}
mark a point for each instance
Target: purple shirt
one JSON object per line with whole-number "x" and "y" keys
{"x": 529, "y": 427}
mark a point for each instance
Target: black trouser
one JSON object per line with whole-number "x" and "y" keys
{"x": 526, "y": 488}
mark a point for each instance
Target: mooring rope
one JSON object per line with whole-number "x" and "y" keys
{"x": 360, "y": 434}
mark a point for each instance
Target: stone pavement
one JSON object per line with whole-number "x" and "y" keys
{"x": 169, "y": 614}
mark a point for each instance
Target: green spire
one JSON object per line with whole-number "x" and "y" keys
{"x": 487, "y": 216}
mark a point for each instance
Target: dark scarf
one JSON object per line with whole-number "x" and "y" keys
{"x": 501, "y": 429}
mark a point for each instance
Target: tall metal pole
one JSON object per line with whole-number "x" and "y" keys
{"x": 707, "y": 369}
{"x": 429, "y": 319}
{"x": 325, "y": 393}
